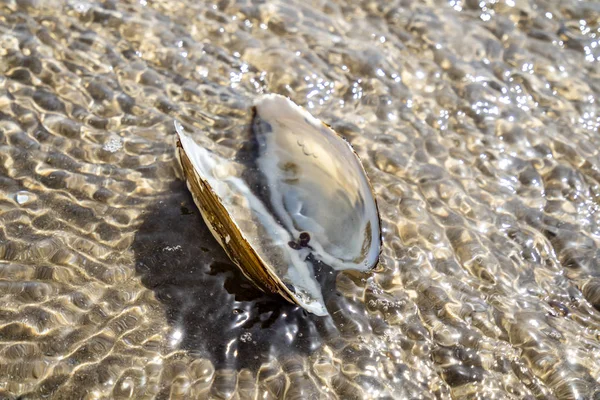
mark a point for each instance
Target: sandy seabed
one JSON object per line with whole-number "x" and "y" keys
{"x": 477, "y": 123}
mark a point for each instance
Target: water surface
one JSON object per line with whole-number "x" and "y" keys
{"x": 477, "y": 123}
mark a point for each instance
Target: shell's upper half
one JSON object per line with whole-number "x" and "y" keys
{"x": 295, "y": 203}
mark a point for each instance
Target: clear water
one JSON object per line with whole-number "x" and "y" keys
{"x": 476, "y": 121}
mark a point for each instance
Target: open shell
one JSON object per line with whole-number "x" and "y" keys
{"x": 294, "y": 203}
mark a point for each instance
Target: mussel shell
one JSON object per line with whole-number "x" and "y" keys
{"x": 297, "y": 198}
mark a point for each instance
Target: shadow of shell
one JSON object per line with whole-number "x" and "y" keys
{"x": 222, "y": 316}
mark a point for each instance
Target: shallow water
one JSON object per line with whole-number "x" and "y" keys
{"x": 477, "y": 123}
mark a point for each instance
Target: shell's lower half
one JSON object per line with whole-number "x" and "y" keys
{"x": 223, "y": 229}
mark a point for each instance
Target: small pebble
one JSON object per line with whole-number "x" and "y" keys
{"x": 22, "y": 197}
